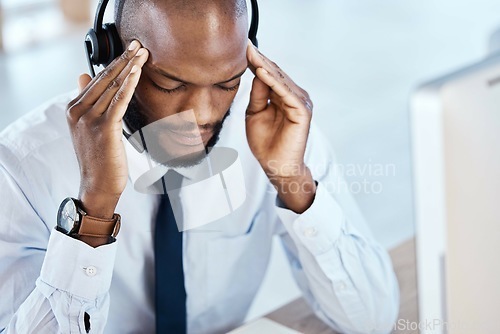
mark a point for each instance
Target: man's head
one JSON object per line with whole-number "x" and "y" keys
{"x": 197, "y": 56}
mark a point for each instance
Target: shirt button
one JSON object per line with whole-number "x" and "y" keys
{"x": 310, "y": 232}
{"x": 91, "y": 271}
{"x": 341, "y": 286}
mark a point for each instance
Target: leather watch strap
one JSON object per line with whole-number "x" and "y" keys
{"x": 97, "y": 231}
{"x": 98, "y": 227}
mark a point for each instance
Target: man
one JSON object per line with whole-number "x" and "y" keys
{"x": 181, "y": 55}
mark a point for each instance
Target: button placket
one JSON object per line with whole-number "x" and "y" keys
{"x": 341, "y": 286}
{"x": 310, "y": 232}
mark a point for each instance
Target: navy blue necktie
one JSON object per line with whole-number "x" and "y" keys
{"x": 170, "y": 299}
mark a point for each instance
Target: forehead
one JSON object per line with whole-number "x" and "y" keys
{"x": 204, "y": 48}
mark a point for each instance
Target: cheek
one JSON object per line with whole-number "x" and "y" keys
{"x": 222, "y": 101}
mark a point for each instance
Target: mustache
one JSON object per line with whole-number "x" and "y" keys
{"x": 190, "y": 126}
{"x": 136, "y": 120}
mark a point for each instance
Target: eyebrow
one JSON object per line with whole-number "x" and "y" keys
{"x": 173, "y": 77}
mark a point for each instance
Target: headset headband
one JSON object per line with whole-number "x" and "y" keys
{"x": 102, "y": 43}
{"x": 99, "y": 15}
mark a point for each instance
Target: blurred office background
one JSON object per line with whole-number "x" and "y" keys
{"x": 359, "y": 59}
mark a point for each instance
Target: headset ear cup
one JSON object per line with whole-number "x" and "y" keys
{"x": 114, "y": 43}
{"x": 99, "y": 47}
{"x": 93, "y": 47}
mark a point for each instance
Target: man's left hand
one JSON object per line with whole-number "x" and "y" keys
{"x": 277, "y": 126}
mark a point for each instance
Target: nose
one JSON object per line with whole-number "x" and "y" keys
{"x": 202, "y": 104}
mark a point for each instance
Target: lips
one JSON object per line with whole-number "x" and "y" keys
{"x": 190, "y": 138}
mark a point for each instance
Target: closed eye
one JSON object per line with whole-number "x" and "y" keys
{"x": 169, "y": 91}
{"x": 183, "y": 86}
{"x": 230, "y": 89}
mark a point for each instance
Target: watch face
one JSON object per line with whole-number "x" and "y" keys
{"x": 67, "y": 215}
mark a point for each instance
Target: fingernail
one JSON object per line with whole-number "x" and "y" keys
{"x": 134, "y": 69}
{"x": 264, "y": 70}
{"x": 133, "y": 45}
{"x": 140, "y": 52}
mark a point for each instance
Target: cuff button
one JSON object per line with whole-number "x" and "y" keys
{"x": 90, "y": 271}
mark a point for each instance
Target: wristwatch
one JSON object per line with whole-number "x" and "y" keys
{"x": 74, "y": 221}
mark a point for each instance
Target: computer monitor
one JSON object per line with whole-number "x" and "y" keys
{"x": 494, "y": 42}
{"x": 455, "y": 123}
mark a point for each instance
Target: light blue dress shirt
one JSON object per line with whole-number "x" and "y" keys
{"x": 48, "y": 281}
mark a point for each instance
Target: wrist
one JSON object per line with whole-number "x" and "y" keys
{"x": 296, "y": 192}
{"x": 98, "y": 205}
{"x": 89, "y": 223}
{"x": 284, "y": 171}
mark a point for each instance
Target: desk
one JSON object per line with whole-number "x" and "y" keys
{"x": 297, "y": 314}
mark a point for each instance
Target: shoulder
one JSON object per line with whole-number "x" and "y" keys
{"x": 42, "y": 127}
{"x": 38, "y": 165}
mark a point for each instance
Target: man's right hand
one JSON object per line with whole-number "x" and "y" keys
{"x": 95, "y": 122}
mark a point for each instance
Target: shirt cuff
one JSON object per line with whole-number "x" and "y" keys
{"x": 317, "y": 228}
{"x": 73, "y": 266}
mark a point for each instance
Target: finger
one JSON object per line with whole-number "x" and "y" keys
{"x": 259, "y": 96}
{"x": 102, "y": 105}
{"x": 270, "y": 73}
{"x": 83, "y": 81}
{"x": 254, "y": 60}
{"x": 101, "y": 81}
{"x": 134, "y": 47}
{"x": 290, "y": 103}
{"x": 257, "y": 59}
{"x": 121, "y": 99}
{"x": 282, "y": 89}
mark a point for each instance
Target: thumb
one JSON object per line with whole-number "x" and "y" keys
{"x": 83, "y": 81}
{"x": 259, "y": 96}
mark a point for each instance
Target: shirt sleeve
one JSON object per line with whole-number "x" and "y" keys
{"x": 49, "y": 282}
{"x": 344, "y": 274}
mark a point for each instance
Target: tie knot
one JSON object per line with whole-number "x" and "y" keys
{"x": 171, "y": 181}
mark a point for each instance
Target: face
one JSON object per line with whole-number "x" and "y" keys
{"x": 195, "y": 65}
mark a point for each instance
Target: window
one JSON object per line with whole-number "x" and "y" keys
{"x": 25, "y": 23}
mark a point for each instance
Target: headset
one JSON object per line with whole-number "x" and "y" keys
{"x": 103, "y": 44}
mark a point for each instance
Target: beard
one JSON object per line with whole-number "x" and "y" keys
{"x": 136, "y": 120}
